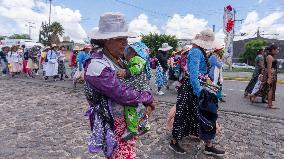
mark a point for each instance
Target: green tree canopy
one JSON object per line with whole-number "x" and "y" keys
{"x": 154, "y": 41}
{"x": 251, "y": 49}
{"x": 19, "y": 36}
{"x": 50, "y": 34}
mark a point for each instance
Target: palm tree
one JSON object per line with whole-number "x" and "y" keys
{"x": 56, "y": 30}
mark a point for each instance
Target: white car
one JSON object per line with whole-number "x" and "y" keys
{"x": 242, "y": 65}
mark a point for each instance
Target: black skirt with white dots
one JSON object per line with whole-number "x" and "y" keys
{"x": 186, "y": 120}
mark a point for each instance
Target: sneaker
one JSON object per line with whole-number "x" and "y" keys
{"x": 126, "y": 136}
{"x": 176, "y": 148}
{"x": 213, "y": 151}
{"x": 222, "y": 100}
{"x": 37, "y": 74}
{"x": 160, "y": 93}
{"x": 66, "y": 76}
{"x": 144, "y": 129}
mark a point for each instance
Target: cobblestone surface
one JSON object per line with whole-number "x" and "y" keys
{"x": 45, "y": 121}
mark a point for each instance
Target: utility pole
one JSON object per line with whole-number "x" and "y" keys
{"x": 214, "y": 28}
{"x": 236, "y": 20}
{"x": 30, "y": 25}
{"x": 258, "y": 33}
{"x": 49, "y": 12}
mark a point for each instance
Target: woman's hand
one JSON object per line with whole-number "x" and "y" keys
{"x": 121, "y": 73}
{"x": 150, "y": 108}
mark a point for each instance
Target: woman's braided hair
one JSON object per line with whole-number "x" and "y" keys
{"x": 206, "y": 58}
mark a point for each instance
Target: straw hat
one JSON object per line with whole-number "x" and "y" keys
{"x": 87, "y": 46}
{"x": 76, "y": 48}
{"x": 179, "y": 50}
{"x": 205, "y": 39}
{"x": 165, "y": 47}
{"x": 20, "y": 50}
{"x": 111, "y": 25}
{"x": 53, "y": 45}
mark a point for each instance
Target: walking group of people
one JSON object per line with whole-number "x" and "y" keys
{"x": 117, "y": 77}
{"x": 264, "y": 78}
{"x": 16, "y": 60}
{"x": 120, "y": 101}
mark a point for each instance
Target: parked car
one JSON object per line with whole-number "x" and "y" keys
{"x": 242, "y": 65}
{"x": 225, "y": 66}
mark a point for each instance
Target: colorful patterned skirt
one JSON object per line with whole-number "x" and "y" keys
{"x": 161, "y": 78}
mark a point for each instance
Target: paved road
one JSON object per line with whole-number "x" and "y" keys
{"x": 236, "y": 103}
{"x": 41, "y": 120}
{"x": 233, "y": 89}
{"x": 247, "y": 74}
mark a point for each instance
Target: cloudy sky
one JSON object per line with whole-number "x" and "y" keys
{"x": 183, "y": 18}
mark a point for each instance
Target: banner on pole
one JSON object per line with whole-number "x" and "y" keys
{"x": 228, "y": 28}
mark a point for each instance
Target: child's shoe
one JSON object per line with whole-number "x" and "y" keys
{"x": 126, "y": 136}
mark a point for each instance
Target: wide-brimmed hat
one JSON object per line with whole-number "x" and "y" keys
{"x": 87, "y": 46}
{"x": 20, "y": 50}
{"x": 178, "y": 50}
{"x": 165, "y": 47}
{"x": 76, "y": 48}
{"x": 111, "y": 25}
{"x": 205, "y": 39}
{"x": 186, "y": 48}
{"x": 53, "y": 45}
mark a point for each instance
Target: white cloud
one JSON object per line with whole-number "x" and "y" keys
{"x": 141, "y": 25}
{"x": 185, "y": 27}
{"x": 269, "y": 25}
{"x": 259, "y": 1}
{"x": 21, "y": 12}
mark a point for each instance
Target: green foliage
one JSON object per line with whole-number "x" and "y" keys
{"x": 2, "y": 37}
{"x": 56, "y": 28}
{"x": 251, "y": 49}
{"x": 19, "y": 36}
{"x": 43, "y": 34}
{"x": 50, "y": 34}
{"x": 154, "y": 41}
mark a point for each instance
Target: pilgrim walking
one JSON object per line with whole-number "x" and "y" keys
{"x": 161, "y": 77}
{"x": 51, "y": 63}
{"x": 193, "y": 115}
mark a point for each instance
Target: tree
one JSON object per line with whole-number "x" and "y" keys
{"x": 19, "y": 36}
{"x": 154, "y": 41}
{"x": 2, "y": 37}
{"x": 50, "y": 34}
{"x": 44, "y": 34}
{"x": 56, "y": 30}
{"x": 251, "y": 49}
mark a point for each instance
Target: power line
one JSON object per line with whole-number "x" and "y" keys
{"x": 144, "y": 9}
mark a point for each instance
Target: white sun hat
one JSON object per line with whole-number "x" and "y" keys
{"x": 165, "y": 47}
{"x": 111, "y": 25}
{"x": 205, "y": 39}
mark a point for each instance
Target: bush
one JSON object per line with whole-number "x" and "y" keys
{"x": 154, "y": 41}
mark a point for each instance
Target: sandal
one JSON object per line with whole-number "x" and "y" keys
{"x": 252, "y": 99}
{"x": 273, "y": 107}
